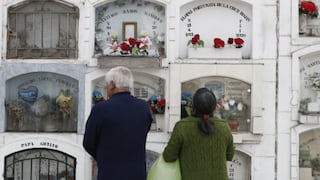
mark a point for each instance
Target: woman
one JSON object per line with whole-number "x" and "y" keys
{"x": 201, "y": 142}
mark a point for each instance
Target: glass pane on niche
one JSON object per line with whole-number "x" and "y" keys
{"x": 41, "y": 102}
{"x": 147, "y": 87}
{"x": 143, "y": 22}
{"x": 45, "y": 29}
{"x": 309, "y": 154}
{"x": 233, "y": 100}
{"x": 310, "y": 84}
{"x": 39, "y": 164}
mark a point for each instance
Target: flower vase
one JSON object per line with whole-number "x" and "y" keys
{"x": 215, "y": 53}
{"x": 234, "y": 125}
{"x": 161, "y": 52}
{"x": 302, "y": 24}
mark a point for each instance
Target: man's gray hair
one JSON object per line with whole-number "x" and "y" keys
{"x": 121, "y": 76}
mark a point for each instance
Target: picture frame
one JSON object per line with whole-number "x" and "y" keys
{"x": 217, "y": 88}
{"x": 129, "y": 29}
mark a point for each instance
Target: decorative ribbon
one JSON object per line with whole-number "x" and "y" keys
{"x": 206, "y": 116}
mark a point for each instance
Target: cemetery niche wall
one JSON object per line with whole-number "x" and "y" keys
{"x": 40, "y": 164}
{"x": 148, "y": 87}
{"x": 233, "y": 100}
{"x": 309, "y": 85}
{"x": 228, "y": 38}
{"x": 42, "y": 29}
{"x": 130, "y": 28}
{"x": 309, "y": 154}
{"x": 41, "y": 102}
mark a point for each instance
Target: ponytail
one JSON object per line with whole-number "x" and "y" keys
{"x": 205, "y": 125}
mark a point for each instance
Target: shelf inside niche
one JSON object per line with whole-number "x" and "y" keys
{"x": 130, "y": 61}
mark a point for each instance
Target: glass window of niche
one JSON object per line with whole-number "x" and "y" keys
{"x": 42, "y": 29}
{"x": 309, "y": 154}
{"x": 310, "y": 85}
{"x": 233, "y": 100}
{"x": 41, "y": 102}
{"x": 39, "y": 164}
{"x": 130, "y": 28}
{"x": 309, "y": 20}
{"x": 147, "y": 87}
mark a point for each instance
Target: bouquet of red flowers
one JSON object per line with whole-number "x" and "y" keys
{"x": 237, "y": 42}
{"x": 309, "y": 8}
{"x": 218, "y": 43}
{"x": 196, "y": 41}
{"x": 157, "y": 104}
{"x": 136, "y": 46}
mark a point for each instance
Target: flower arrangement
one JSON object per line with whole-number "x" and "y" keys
{"x": 314, "y": 78}
{"x": 196, "y": 41}
{"x": 231, "y": 108}
{"x": 157, "y": 104}
{"x": 136, "y": 46}
{"x": 309, "y": 8}
{"x": 236, "y": 42}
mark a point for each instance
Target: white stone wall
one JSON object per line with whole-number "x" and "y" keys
{"x": 271, "y": 45}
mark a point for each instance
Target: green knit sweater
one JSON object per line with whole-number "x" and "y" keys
{"x": 201, "y": 156}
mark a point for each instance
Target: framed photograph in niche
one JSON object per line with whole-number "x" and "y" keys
{"x": 129, "y": 29}
{"x": 217, "y": 88}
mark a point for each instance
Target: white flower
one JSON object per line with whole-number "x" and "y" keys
{"x": 160, "y": 39}
{"x": 144, "y": 34}
{"x": 226, "y": 106}
{"x": 114, "y": 35}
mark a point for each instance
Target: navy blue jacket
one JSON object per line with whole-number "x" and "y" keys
{"x": 115, "y": 137}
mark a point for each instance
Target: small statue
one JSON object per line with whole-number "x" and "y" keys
{"x": 64, "y": 104}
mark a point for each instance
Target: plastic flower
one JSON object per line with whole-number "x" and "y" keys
{"x": 144, "y": 34}
{"x": 230, "y": 40}
{"x": 145, "y": 43}
{"x": 196, "y": 41}
{"x": 314, "y": 78}
{"x": 125, "y": 46}
{"x": 309, "y": 8}
{"x": 218, "y": 43}
{"x": 114, "y": 35}
{"x": 238, "y": 42}
{"x": 157, "y": 104}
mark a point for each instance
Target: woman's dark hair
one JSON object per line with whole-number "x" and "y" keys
{"x": 203, "y": 105}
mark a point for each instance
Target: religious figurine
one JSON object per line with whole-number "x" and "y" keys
{"x": 64, "y": 104}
